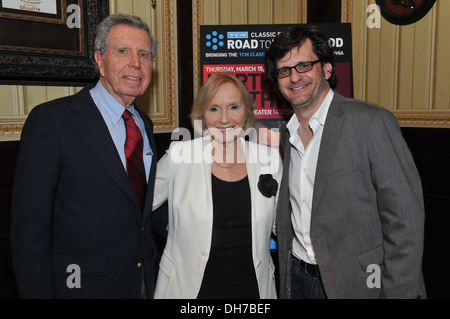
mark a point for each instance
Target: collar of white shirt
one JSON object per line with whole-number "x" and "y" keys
{"x": 318, "y": 119}
{"x": 109, "y": 104}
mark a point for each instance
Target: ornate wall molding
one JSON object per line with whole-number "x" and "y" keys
{"x": 426, "y": 118}
{"x": 164, "y": 113}
{"x": 303, "y": 11}
{"x": 196, "y": 21}
{"x": 11, "y": 127}
{"x": 347, "y": 11}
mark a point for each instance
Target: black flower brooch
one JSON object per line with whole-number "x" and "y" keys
{"x": 267, "y": 185}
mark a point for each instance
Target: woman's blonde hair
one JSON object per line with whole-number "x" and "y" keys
{"x": 206, "y": 95}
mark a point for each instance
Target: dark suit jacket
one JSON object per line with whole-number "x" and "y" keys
{"x": 73, "y": 204}
{"x": 367, "y": 206}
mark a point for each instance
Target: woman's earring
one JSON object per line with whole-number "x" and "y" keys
{"x": 245, "y": 125}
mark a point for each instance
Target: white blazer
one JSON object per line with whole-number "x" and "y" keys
{"x": 184, "y": 179}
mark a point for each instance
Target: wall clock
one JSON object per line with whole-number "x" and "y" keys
{"x": 404, "y": 12}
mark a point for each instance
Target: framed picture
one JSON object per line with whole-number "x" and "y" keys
{"x": 49, "y": 42}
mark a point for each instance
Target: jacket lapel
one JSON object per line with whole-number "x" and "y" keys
{"x": 251, "y": 161}
{"x": 286, "y": 150}
{"x": 90, "y": 125}
{"x": 327, "y": 149}
{"x": 206, "y": 160}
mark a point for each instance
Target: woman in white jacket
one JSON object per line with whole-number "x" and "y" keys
{"x": 221, "y": 192}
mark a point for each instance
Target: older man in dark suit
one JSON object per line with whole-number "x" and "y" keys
{"x": 350, "y": 216}
{"x": 83, "y": 191}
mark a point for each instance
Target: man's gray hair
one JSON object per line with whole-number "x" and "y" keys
{"x": 104, "y": 28}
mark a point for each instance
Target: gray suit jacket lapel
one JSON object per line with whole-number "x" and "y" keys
{"x": 328, "y": 146}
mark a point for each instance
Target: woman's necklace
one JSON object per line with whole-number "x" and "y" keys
{"x": 225, "y": 167}
{"x": 228, "y": 166}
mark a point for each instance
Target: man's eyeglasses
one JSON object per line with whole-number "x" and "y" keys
{"x": 302, "y": 67}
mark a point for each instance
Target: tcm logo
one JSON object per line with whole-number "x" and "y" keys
{"x": 74, "y": 279}
{"x": 237, "y": 35}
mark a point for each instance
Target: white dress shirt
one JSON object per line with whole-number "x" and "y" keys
{"x": 303, "y": 166}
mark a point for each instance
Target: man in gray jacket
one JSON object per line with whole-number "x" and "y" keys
{"x": 350, "y": 217}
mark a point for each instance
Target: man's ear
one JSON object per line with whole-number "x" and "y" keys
{"x": 327, "y": 70}
{"x": 99, "y": 61}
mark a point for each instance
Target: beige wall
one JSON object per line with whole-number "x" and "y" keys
{"x": 403, "y": 68}
{"x": 252, "y": 11}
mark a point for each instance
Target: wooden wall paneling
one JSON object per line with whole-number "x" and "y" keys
{"x": 226, "y": 12}
{"x": 280, "y": 11}
{"x": 253, "y": 12}
{"x": 208, "y": 12}
{"x": 423, "y": 62}
{"x": 7, "y": 93}
{"x": 288, "y": 11}
{"x": 121, "y": 6}
{"x": 441, "y": 94}
{"x": 388, "y": 72}
{"x": 265, "y": 12}
{"x": 359, "y": 36}
{"x": 373, "y": 52}
{"x": 239, "y": 12}
{"x": 405, "y": 67}
{"x": 34, "y": 95}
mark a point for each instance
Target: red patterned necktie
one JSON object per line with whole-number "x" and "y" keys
{"x": 135, "y": 164}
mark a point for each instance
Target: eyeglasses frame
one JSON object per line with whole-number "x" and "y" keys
{"x": 295, "y": 67}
